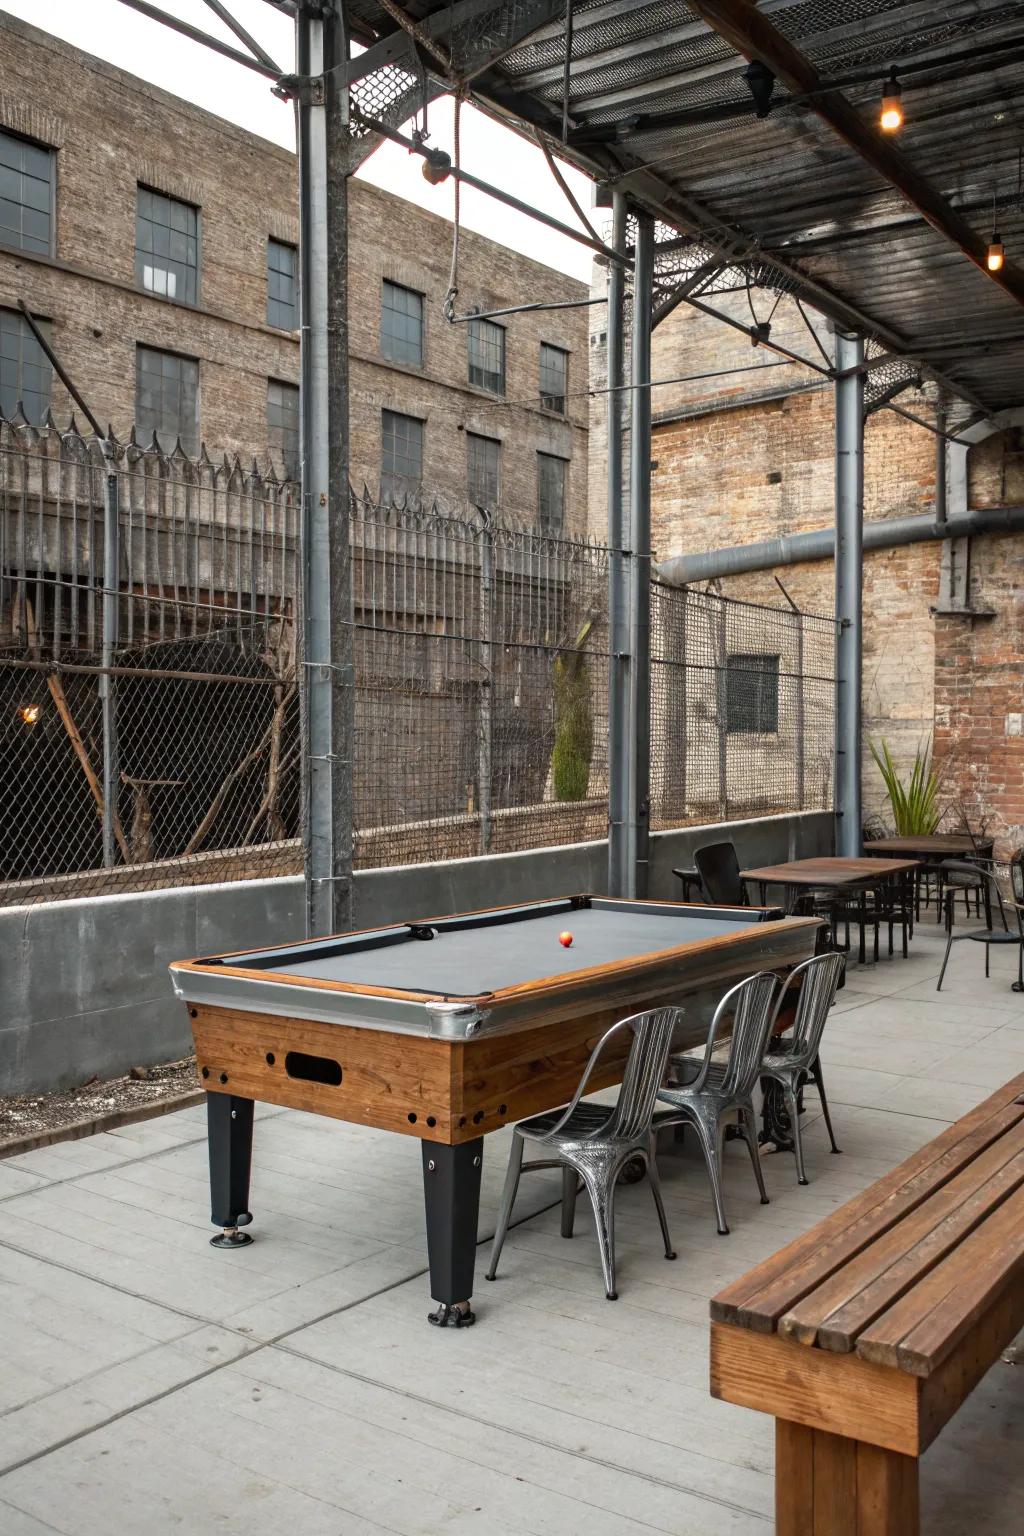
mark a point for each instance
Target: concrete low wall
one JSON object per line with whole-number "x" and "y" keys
{"x": 85, "y": 986}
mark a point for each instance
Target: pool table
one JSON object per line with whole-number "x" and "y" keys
{"x": 447, "y": 1028}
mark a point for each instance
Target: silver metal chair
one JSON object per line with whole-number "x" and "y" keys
{"x": 595, "y": 1141}
{"x": 791, "y": 1059}
{"x": 719, "y": 1093}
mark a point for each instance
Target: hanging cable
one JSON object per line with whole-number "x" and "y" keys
{"x": 448, "y": 307}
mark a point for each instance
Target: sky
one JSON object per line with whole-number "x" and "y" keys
{"x": 134, "y": 42}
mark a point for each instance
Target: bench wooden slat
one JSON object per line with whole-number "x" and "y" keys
{"x": 834, "y": 1312}
{"x": 921, "y": 1329}
{"x": 760, "y": 1297}
{"x": 841, "y": 1328}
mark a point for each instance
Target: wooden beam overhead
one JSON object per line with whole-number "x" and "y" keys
{"x": 754, "y": 36}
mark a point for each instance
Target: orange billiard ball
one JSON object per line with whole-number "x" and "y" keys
{"x": 565, "y": 939}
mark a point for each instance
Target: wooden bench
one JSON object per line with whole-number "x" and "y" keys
{"x": 864, "y": 1336}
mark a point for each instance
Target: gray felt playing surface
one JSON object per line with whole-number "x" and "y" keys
{"x": 485, "y": 959}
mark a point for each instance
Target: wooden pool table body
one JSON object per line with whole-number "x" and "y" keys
{"x": 512, "y": 1052}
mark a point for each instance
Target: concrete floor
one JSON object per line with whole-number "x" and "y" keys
{"x": 151, "y": 1384}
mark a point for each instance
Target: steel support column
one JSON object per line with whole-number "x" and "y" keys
{"x": 326, "y": 575}
{"x": 618, "y": 575}
{"x": 638, "y": 835}
{"x": 111, "y": 625}
{"x": 849, "y": 451}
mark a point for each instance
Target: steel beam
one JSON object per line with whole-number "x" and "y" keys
{"x": 325, "y": 565}
{"x": 618, "y": 574}
{"x": 849, "y": 453}
{"x": 638, "y": 833}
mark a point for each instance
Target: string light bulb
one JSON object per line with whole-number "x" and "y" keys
{"x": 890, "y": 119}
{"x": 995, "y": 255}
{"x": 29, "y": 713}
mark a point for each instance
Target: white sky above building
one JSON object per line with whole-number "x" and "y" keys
{"x": 133, "y": 42}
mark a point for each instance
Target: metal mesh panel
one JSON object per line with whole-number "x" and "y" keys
{"x": 742, "y": 709}
{"x": 203, "y": 679}
{"x": 481, "y": 686}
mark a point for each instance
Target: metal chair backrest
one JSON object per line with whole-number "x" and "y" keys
{"x": 750, "y": 1003}
{"x": 819, "y": 980}
{"x": 644, "y": 1073}
{"x": 1017, "y": 886}
{"x": 719, "y": 870}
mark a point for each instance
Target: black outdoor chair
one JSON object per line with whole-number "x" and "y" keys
{"x": 719, "y": 871}
{"x": 989, "y": 935}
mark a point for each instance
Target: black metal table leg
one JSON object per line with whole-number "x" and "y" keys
{"x": 229, "y": 1138}
{"x": 451, "y": 1190}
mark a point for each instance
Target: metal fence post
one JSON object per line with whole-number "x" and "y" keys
{"x": 325, "y": 565}
{"x": 640, "y": 544}
{"x": 801, "y": 713}
{"x": 107, "y": 685}
{"x": 722, "y": 701}
{"x": 485, "y": 719}
{"x": 849, "y": 452}
{"x": 618, "y": 576}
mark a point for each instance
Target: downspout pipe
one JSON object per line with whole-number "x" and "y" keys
{"x": 820, "y": 544}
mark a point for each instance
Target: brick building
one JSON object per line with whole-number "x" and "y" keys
{"x": 158, "y": 242}
{"x": 747, "y": 455}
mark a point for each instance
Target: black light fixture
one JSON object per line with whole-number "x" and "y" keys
{"x": 761, "y": 84}
{"x": 890, "y": 118}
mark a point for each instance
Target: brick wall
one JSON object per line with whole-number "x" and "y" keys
{"x": 112, "y": 131}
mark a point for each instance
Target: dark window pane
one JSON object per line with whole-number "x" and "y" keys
{"x": 554, "y": 377}
{"x": 25, "y": 373}
{"x": 401, "y": 325}
{"x": 167, "y": 247}
{"x": 26, "y": 195}
{"x": 283, "y": 425}
{"x": 282, "y": 286}
{"x": 167, "y": 398}
{"x": 752, "y": 694}
{"x": 487, "y": 356}
{"x": 401, "y": 457}
{"x": 484, "y": 461}
{"x": 550, "y": 493}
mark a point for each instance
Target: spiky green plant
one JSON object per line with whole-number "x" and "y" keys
{"x": 915, "y": 804}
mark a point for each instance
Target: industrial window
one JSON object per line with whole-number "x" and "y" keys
{"x": 550, "y": 493}
{"x": 167, "y": 398}
{"x": 484, "y": 460}
{"x": 487, "y": 356}
{"x": 25, "y": 373}
{"x": 282, "y": 285}
{"x": 167, "y": 247}
{"x": 401, "y": 324}
{"x": 26, "y": 195}
{"x": 554, "y": 377}
{"x": 401, "y": 456}
{"x": 752, "y": 694}
{"x": 283, "y": 425}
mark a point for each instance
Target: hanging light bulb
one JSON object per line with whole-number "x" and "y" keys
{"x": 29, "y": 714}
{"x": 890, "y": 119}
{"x": 995, "y": 255}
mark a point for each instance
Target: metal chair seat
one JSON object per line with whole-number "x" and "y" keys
{"x": 583, "y": 1124}
{"x": 719, "y": 1093}
{"x": 593, "y": 1142}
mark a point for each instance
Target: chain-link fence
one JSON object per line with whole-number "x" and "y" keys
{"x": 481, "y": 674}
{"x": 742, "y": 708}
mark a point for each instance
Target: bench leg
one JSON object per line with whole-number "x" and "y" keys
{"x": 827, "y": 1485}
